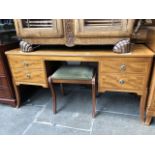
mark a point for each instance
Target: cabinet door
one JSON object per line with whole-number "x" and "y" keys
{"x": 39, "y": 28}
{"x": 103, "y": 27}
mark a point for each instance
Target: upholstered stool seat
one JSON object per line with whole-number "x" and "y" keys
{"x": 73, "y": 75}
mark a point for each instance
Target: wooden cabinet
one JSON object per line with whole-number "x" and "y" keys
{"x": 6, "y": 88}
{"x": 72, "y": 32}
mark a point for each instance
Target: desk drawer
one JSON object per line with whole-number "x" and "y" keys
{"x": 29, "y": 76}
{"x": 122, "y": 82}
{"x": 124, "y": 65}
{"x": 26, "y": 62}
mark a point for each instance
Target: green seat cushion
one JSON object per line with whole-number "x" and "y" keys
{"x": 73, "y": 73}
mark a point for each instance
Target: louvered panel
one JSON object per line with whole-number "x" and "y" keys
{"x": 37, "y": 23}
{"x": 102, "y": 22}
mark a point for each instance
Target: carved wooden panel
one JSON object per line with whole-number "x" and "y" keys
{"x": 69, "y": 35}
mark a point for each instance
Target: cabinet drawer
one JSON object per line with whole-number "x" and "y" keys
{"x": 122, "y": 82}
{"x": 5, "y": 93}
{"x": 29, "y": 76}
{"x": 124, "y": 65}
{"x": 1, "y": 67}
{"x": 3, "y": 81}
{"x": 26, "y": 62}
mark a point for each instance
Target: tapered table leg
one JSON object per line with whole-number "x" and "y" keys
{"x": 148, "y": 120}
{"x": 143, "y": 105}
{"x": 17, "y": 94}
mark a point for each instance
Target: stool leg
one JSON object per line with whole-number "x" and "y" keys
{"x": 93, "y": 98}
{"x": 62, "y": 89}
{"x": 53, "y": 94}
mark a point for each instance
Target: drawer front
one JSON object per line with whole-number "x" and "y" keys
{"x": 29, "y": 76}
{"x": 5, "y": 93}
{"x": 122, "y": 82}
{"x": 124, "y": 65}
{"x": 26, "y": 62}
{"x": 1, "y": 67}
{"x": 3, "y": 82}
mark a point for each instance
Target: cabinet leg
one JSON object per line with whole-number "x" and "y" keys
{"x": 142, "y": 105}
{"x": 148, "y": 120}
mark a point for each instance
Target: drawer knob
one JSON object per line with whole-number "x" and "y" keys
{"x": 28, "y": 76}
{"x": 123, "y": 67}
{"x": 26, "y": 64}
{"x": 121, "y": 82}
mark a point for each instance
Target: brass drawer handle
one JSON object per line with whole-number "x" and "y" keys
{"x": 123, "y": 67}
{"x": 121, "y": 82}
{"x": 25, "y": 64}
{"x": 28, "y": 76}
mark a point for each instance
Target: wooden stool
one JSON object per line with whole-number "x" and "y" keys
{"x": 73, "y": 75}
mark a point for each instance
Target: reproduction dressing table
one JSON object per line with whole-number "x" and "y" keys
{"x": 116, "y": 72}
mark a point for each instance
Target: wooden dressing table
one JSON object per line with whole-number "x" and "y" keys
{"x": 116, "y": 72}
